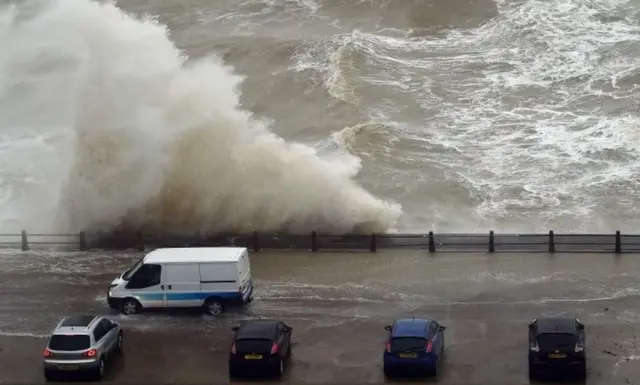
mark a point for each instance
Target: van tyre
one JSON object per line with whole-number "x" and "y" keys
{"x": 130, "y": 306}
{"x": 213, "y": 306}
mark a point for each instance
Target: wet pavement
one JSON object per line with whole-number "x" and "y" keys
{"x": 338, "y": 304}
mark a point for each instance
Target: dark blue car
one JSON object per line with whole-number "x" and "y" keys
{"x": 415, "y": 346}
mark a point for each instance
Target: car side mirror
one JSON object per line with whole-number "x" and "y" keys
{"x": 288, "y": 329}
{"x": 235, "y": 328}
{"x": 581, "y": 326}
{"x": 443, "y": 328}
{"x": 387, "y": 327}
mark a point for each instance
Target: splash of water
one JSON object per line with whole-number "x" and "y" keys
{"x": 103, "y": 121}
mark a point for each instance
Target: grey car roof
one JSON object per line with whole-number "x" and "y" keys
{"x": 77, "y": 324}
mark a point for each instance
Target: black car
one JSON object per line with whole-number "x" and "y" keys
{"x": 261, "y": 346}
{"x": 557, "y": 346}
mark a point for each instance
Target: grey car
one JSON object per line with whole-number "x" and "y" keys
{"x": 82, "y": 344}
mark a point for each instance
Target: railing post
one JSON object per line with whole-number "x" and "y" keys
{"x": 83, "y": 241}
{"x": 256, "y": 241}
{"x": 140, "y": 241}
{"x": 373, "y": 247}
{"x": 432, "y": 242}
{"x": 618, "y": 246}
{"x": 25, "y": 241}
{"x": 492, "y": 242}
{"x": 552, "y": 242}
{"x": 314, "y": 241}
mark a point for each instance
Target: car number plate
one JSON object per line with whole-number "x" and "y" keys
{"x": 557, "y": 355}
{"x": 408, "y": 355}
{"x": 253, "y": 356}
{"x": 68, "y": 367}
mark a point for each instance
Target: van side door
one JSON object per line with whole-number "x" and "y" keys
{"x": 145, "y": 286}
{"x": 182, "y": 285}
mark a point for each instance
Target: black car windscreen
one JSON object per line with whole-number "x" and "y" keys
{"x": 69, "y": 342}
{"x": 254, "y": 346}
{"x": 553, "y": 341}
{"x": 408, "y": 343}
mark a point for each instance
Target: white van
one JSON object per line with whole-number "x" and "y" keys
{"x": 208, "y": 277}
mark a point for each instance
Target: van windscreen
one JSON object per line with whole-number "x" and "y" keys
{"x": 127, "y": 275}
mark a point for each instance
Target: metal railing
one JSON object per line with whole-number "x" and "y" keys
{"x": 432, "y": 242}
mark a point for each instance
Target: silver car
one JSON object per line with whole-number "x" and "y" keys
{"x": 82, "y": 344}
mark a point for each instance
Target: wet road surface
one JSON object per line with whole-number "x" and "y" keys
{"x": 338, "y": 304}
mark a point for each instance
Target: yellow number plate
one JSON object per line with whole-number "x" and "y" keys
{"x": 408, "y": 355}
{"x": 555, "y": 355}
{"x": 252, "y": 356}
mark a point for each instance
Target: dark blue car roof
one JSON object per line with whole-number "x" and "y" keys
{"x": 410, "y": 327}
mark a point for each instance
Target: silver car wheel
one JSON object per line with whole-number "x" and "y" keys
{"x": 101, "y": 367}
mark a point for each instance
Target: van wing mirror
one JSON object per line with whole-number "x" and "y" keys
{"x": 235, "y": 329}
{"x": 387, "y": 327}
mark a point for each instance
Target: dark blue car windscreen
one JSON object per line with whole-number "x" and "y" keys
{"x": 408, "y": 343}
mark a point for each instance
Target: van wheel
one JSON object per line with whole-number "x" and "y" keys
{"x": 213, "y": 306}
{"x": 130, "y": 306}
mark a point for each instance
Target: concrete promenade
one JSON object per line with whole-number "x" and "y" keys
{"x": 338, "y": 304}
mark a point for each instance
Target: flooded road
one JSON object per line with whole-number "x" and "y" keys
{"x": 338, "y": 304}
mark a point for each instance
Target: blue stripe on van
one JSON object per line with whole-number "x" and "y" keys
{"x": 177, "y": 296}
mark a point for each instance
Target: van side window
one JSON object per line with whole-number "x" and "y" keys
{"x": 146, "y": 276}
